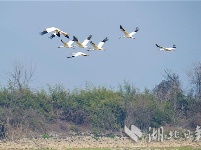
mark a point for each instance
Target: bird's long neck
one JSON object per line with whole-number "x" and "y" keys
{"x": 122, "y": 37}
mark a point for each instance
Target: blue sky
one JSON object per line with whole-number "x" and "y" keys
{"x": 137, "y": 61}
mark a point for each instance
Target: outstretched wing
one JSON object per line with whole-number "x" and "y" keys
{"x": 100, "y": 44}
{"x": 124, "y": 31}
{"x": 84, "y": 43}
{"x": 64, "y": 43}
{"x": 132, "y": 33}
{"x": 76, "y": 40}
{"x": 79, "y": 54}
{"x": 47, "y": 30}
{"x": 52, "y": 35}
{"x": 82, "y": 54}
{"x": 70, "y": 42}
{"x": 94, "y": 45}
{"x": 65, "y": 34}
{"x": 159, "y": 46}
{"x": 57, "y": 33}
{"x": 43, "y": 32}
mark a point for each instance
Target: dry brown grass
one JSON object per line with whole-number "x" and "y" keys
{"x": 90, "y": 142}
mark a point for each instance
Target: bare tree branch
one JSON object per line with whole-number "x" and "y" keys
{"x": 21, "y": 76}
{"x": 195, "y": 79}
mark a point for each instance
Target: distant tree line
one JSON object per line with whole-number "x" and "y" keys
{"x": 25, "y": 112}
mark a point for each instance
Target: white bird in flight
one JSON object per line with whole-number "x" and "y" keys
{"x": 99, "y": 46}
{"x": 57, "y": 32}
{"x": 166, "y": 48}
{"x": 67, "y": 45}
{"x": 84, "y": 43}
{"x": 77, "y": 54}
{"x": 128, "y": 35}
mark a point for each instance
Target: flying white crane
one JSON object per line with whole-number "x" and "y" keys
{"x": 128, "y": 35}
{"x": 99, "y": 46}
{"x": 84, "y": 43}
{"x": 48, "y": 30}
{"x": 57, "y": 32}
{"x": 77, "y": 54}
{"x": 166, "y": 48}
{"x": 67, "y": 45}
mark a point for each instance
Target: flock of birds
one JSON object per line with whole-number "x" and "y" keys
{"x": 57, "y": 32}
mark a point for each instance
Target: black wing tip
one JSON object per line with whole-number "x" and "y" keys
{"x": 75, "y": 38}
{"x": 137, "y": 29}
{"x": 90, "y": 36}
{"x": 58, "y": 34}
{"x": 157, "y": 45}
{"x": 43, "y": 32}
{"x": 52, "y": 36}
{"x": 106, "y": 39}
{"x": 122, "y": 28}
{"x": 92, "y": 43}
{"x": 67, "y": 36}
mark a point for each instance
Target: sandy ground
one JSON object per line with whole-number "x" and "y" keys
{"x": 90, "y": 142}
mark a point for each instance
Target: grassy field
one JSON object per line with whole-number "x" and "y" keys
{"x": 170, "y": 148}
{"x": 137, "y": 148}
